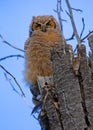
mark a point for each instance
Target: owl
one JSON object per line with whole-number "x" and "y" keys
{"x": 45, "y": 35}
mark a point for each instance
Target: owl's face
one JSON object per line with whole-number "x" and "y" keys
{"x": 43, "y": 23}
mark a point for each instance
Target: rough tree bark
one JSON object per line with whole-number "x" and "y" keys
{"x": 68, "y": 90}
{"x": 74, "y": 93}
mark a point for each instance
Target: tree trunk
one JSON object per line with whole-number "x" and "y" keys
{"x": 74, "y": 93}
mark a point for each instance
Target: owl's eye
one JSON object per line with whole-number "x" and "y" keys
{"x": 51, "y": 24}
{"x": 36, "y": 26}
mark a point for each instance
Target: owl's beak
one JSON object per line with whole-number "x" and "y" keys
{"x": 43, "y": 28}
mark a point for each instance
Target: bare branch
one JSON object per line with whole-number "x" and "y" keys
{"x": 9, "y": 44}
{"x": 75, "y": 50}
{"x": 64, "y": 20}
{"x": 10, "y": 56}
{"x": 55, "y": 10}
{"x": 9, "y": 80}
{"x": 59, "y": 9}
{"x": 22, "y": 96}
{"x": 71, "y": 38}
{"x": 79, "y": 10}
{"x": 37, "y": 107}
{"x": 67, "y": 13}
{"x": 14, "y": 80}
{"x": 82, "y": 28}
{"x": 90, "y": 32}
{"x": 73, "y": 23}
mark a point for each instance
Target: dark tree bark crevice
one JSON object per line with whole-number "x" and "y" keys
{"x": 83, "y": 101}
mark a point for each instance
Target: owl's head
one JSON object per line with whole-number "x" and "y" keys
{"x": 43, "y": 23}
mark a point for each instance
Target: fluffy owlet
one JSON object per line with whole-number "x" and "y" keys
{"x": 45, "y": 35}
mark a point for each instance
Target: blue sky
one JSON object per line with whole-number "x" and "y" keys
{"x": 15, "y": 17}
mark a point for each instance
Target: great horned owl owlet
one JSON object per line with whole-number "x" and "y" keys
{"x": 44, "y": 37}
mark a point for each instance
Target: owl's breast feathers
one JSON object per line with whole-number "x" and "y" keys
{"x": 37, "y": 49}
{"x": 50, "y": 38}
